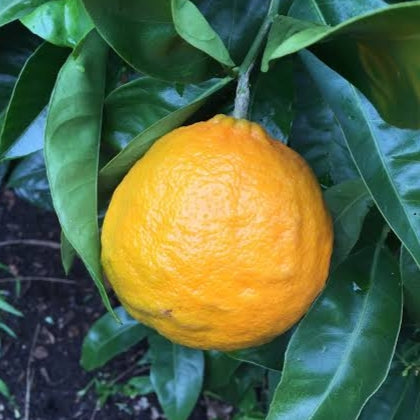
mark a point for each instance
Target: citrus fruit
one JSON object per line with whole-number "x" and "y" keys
{"x": 218, "y": 237}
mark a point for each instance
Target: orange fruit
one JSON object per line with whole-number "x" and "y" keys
{"x": 218, "y": 237}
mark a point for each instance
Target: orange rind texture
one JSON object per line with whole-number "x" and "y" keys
{"x": 218, "y": 237}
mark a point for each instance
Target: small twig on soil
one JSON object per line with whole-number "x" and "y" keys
{"x": 95, "y": 410}
{"x": 49, "y": 279}
{"x": 35, "y": 242}
{"x": 30, "y": 375}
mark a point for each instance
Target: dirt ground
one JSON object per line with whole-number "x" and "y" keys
{"x": 56, "y": 317}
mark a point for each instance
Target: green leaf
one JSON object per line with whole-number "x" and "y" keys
{"x": 349, "y": 203}
{"x": 14, "y": 9}
{"x": 7, "y": 330}
{"x": 108, "y": 338}
{"x": 366, "y": 50}
{"x": 219, "y": 369}
{"x": 68, "y": 254}
{"x": 13, "y": 56}
{"x": 29, "y": 181}
{"x": 269, "y": 356}
{"x": 410, "y": 275}
{"x": 176, "y": 375}
{"x": 113, "y": 172}
{"x": 137, "y": 105}
{"x": 4, "y": 167}
{"x": 6, "y": 307}
{"x": 316, "y": 135}
{"x": 30, "y": 96}
{"x": 236, "y": 22}
{"x": 144, "y": 35}
{"x": 4, "y": 389}
{"x": 333, "y": 11}
{"x": 61, "y": 22}
{"x": 387, "y": 158}
{"x": 272, "y": 97}
{"x": 141, "y": 385}
{"x": 193, "y": 27}
{"x": 341, "y": 351}
{"x": 396, "y": 399}
{"x": 72, "y": 150}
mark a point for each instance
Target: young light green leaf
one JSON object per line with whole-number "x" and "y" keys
{"x": 366, "y": 50}
{"x": 30, "y": 96}
{"x": 176, "y": 375}
{"x": 61, "y": 22}
{"x": 72, "y": 150}
{"x": 341, "y": 351}
{"x": 107, "y": 338}
{"x": 193, "y": 27}
{"x": 272, "y": 97}
{"x": 269, "y": 356}
{"x": 137, "y": 105}
{"x": 141, "y": 385}
{"x": 387, "y": 158}
{"x": 113, "y": 172}
{"x": 410, "y": 275}
{"x": 396, "y": 398}
{"x": 144, "y": 35}
{"x": 11, "y": 10}
{"x": 349, "y": 203}
{"x": 6, "y": 307}
{"x": 29, "y": 181}
{"x": 68, "y": 254}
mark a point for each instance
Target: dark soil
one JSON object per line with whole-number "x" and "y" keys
{"x": 62, "y": 314}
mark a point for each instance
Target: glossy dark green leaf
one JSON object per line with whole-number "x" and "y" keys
{"x": 387, "y": 158}
{"x": 349, "y": 203}
{"x": 14, "y": 9}
{"x": 31, "y": 139}
{"x": 341, "y": 351}
{"x": 72, "y": 150}
{"x": 68, "y": 254}
{"x": 29, "y": 98}
{"x": 269, "y": 356}
{"x": 236, "y": 22}
{"x": 112, "y": 173}
{"x": 366, "y": 50}
{"x": 137, "y": 105}
{"x": 29, "y": 181}
{"x": 193, "y": 27}
{"x": 219, "y": 369}
{"x": 107, "y": 338}
{"x": 61, "y": 22}
{"x": 316, "y": 135}
{"x": 13, "y": 56}
{"x": 176, "y": 375}
{"x": 144, "y": 35}
{"x": 410, "y": 275}
{"x": 272, "y": 97}
{"x": 396, "y": 399}
{"x": 333, "y": 12}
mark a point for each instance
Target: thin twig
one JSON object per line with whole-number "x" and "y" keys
{"x": 29, "y": 375}
{"x": 48, "y": 279}
{"x": 34, "y": 242}
{"x": 95, "y": 410}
